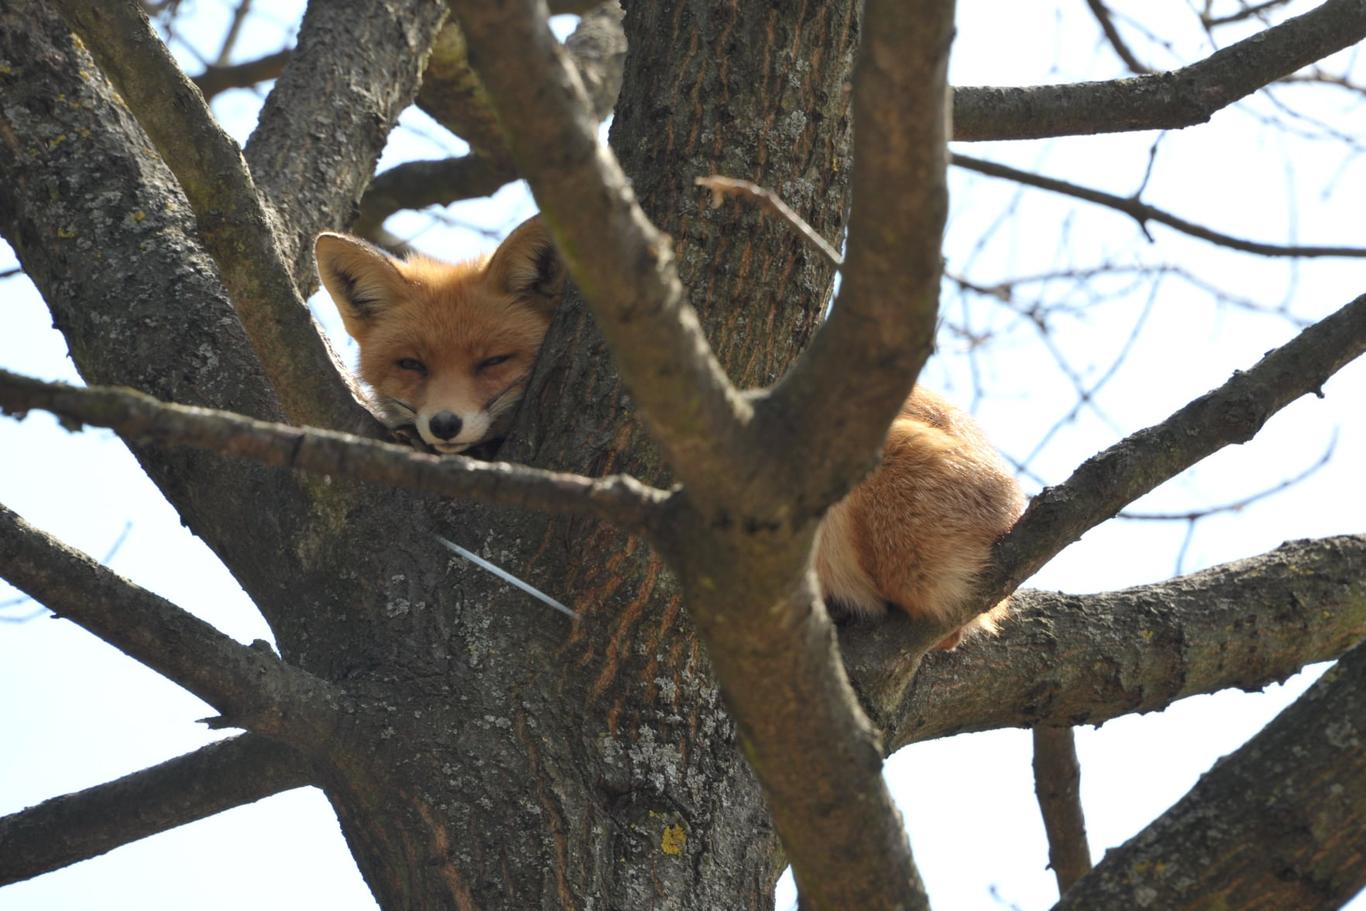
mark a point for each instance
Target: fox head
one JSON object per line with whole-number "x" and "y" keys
{"x": 446, "y": 347}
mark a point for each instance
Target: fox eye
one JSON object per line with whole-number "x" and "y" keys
{"x": 493, "y": 361}
{"x": 413, "y": 364}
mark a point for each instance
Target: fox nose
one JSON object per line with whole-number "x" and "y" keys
{"x": 445, "y": 425}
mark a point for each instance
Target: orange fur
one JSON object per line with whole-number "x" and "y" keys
{"x": 917, "y": 531}
{"x": 446, "y": 347}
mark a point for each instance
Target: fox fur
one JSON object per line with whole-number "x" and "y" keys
{"x": 918, "y": 530}
{"x": 446, "y": 347}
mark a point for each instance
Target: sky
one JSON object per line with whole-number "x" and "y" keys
{"x": 76, "y": 713}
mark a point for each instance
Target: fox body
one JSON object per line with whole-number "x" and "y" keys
{"x": 918, "y": 530}
{"x": 446, "y": 347}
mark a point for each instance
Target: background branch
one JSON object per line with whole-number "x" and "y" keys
{"x": 1163, "y": 101}
{"x": 249, "y": 685}
{"x": 217, "y": 79}
{"x": 1281, "y": 823}
{"x": 88, "y": 823}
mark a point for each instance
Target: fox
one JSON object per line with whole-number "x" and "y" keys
{"x": 915, "y": 534}
{"x": 446, "y": 348}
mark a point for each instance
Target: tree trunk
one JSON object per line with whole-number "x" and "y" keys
{"x": 497, "y": 755}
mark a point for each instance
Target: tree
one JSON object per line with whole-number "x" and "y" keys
{"x": 696, "y": 726}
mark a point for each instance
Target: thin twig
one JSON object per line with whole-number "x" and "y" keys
{"x": 1107, "y": 25}
{"x": 722, "y": 187}
{"x": 1143, "y": 213}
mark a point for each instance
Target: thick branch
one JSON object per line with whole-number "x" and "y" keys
{"x": 1281, "y": 823}
{"x": 884, "y": 317}
{"x": 353, "y": 70}
{"x": 622, "y": 264}
{"x": 1084, "y": 659}
{"x": 1233, "y": 413}
{"x": 248, "y": 685}
{"x": 1143, "y": 213}
{"x": 141, "y": 418}
{"x": 1164, "y": 101}
{"x": 233, "y": 223}
{"x": 86, "y": 824}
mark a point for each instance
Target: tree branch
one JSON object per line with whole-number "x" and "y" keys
{"x": 1233, "y": 413}
{"x": 1143, "y": 213}
{"x": 418, "y": 184}
{"x": 622, "y": 264}
{"x": 233, "y": 223}
{"x": 1112, "y": 35}
{"x": 217, "y": 79}
{"x": 1084, "y": 659}
{"x": 331, "y": 112}
{"x": 619, "y": 499}
{"x": 248, "y": 685}
{"x": 1281, "y": 823}
{"x": 86, "y": 824}
{"x": 1057, "y": 784}
{"x": 1163, "y": 101}
{"x": 885, "y": 314}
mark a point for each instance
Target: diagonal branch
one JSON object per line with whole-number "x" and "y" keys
{"x": 885, "y": 314}
{"x": 622, "y": 264}
{"x": 331, "y": 112}
{"x": 86, "y": 824}
{"x": 233, "y": 223}
{"x": 217, "y": 79}
{"x": 1143, "y": 213}
{"x": 141, "y": 418}
{"x": 1106, "y": 21}
{"x": 1233, "y": 413}
{"x": 1281, "y": 823}
{"x": 248, "y": 685}
{"x": 1084, "y": 659}
{"x": 1163, "y": 101}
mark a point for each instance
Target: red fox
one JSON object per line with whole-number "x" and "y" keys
{"x": 444, "y": 347}
{"x": 449, "y": 348}
{"x": 917, "y": 531}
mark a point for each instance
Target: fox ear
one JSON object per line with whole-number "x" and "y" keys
{"x": 527, "y": 266}
{"x": 361, "y": 278}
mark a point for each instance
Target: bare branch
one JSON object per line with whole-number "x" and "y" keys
{"x": 219, "y": 78}
{"x": 1163, "y": 101}
{"x": 1057, "y": 784}
{"x": 331, "y": 112}
{"x": 138, "y": 417}
{"x": 233, "y": 223}
{"x": 453, "y": 95}
{"x": 1281, "y": 823}
{"x": 1233, "y": 413}
{"x": 1084, "y": 659}
{"x": 622, "y": 264}
{"x": 888, "y": 300}
{"x": 249, "y": 685}
{"x": 418, "y": 184}
{"x": 86, "y": 824}
{"x": 1112, "y": 35}
{"x": 1143, "y": 213}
